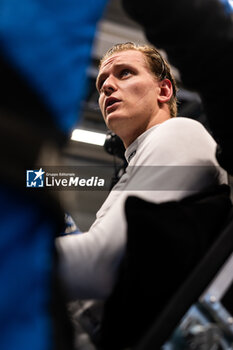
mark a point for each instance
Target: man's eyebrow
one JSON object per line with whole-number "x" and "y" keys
{"x": 123, "y": 64}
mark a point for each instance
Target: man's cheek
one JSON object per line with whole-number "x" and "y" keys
{"x": 101, "y": 108}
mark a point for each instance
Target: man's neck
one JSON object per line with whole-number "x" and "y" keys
{"x": 162, "y": 117}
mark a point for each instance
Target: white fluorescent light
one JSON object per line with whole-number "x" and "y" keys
{"x": 95, "y": 138}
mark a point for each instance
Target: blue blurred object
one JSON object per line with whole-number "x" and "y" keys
{"x": 26, "y": 243}
{"x": 50, "y": 44}
{"x": 45, "y": 49}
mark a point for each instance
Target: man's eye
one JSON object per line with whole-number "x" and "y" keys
{"x": 125, "y": 72}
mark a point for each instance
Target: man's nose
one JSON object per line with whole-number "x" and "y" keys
{"x": 109, "y": 86}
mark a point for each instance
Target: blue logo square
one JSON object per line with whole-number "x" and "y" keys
{"x": 35, "y": 178}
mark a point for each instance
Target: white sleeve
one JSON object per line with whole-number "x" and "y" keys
{"x": 88, "y": 261}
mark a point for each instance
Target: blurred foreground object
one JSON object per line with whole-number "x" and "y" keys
{"x": 45, "y": 49}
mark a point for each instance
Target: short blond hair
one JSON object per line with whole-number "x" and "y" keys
{"x": 156, "y": 63}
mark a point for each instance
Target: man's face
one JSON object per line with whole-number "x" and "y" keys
{"x": 128, "y": 94}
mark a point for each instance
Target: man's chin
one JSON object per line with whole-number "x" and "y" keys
{"x": 114, "y": 120}
{"x": 114, "y": 116}
{"x": 118, "y": 126}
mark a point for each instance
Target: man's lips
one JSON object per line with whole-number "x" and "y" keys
{"x": 111, "y": 103}
{"x": 112, "y": 107}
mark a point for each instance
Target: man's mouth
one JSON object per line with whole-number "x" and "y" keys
{"x": 111, "y": 103}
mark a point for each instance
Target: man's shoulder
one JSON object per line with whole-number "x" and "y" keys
{"x": 181, "y": 129}
{"x": 177, "y": 140}
{"x": 182, "y": 122}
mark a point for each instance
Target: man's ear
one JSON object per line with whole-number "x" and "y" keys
{"x": 166, "y": 91}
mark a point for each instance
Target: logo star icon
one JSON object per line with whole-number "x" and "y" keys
{"x": 39, "y": 174}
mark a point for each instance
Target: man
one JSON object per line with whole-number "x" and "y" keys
{"x": 168, "y": 157}
{"x": 139, "y": 112}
